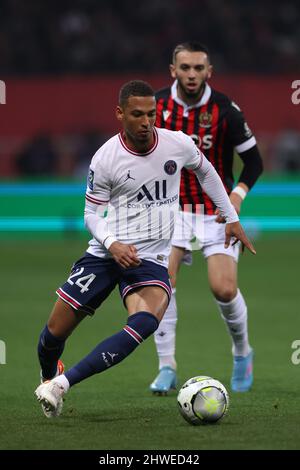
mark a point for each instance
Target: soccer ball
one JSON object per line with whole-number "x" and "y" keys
{"x": 203, "y": 400}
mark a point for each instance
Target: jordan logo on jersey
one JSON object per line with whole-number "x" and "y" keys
{"x": 128, "y": 177}
{"x": 160, "y": 191}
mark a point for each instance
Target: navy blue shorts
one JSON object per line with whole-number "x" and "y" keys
{"x": 92, "y": 279}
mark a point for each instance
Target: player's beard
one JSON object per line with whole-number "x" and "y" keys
{"x": 194, "y": 95}
{"x": 140, "y": 141}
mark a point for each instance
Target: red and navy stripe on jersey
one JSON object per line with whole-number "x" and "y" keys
{"x": 217, "y": 126}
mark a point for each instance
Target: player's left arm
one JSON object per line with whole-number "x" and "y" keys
{"x": 245, "y": 145}
{"x": 214, "y": 188}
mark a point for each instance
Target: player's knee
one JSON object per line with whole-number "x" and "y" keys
{"x": 225, "y": 292}
{"x": 54, "y": 328}
{"x": 62, "y": 320}
{"x": 58, "y": 328}
{"x": 173, "y": 280}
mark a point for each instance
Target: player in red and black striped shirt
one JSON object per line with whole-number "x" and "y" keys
{"x": 217, "y": 126}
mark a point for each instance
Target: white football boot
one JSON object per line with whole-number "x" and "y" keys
{"x": 50, "y": 395}
{"x": 60, "y": 370}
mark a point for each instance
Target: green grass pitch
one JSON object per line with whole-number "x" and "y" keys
{"x": 115, "y": 410}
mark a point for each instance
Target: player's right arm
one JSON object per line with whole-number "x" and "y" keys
{"x": 96, "y": 205}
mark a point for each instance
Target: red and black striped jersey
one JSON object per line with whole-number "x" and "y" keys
{"x": 217, "y": 126}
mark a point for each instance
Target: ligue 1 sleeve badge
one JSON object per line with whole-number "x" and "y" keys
{"x": 170, "y": 167}
{"x": 90, "y": 179}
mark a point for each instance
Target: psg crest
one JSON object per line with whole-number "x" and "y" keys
{"x": 170, "y": 167}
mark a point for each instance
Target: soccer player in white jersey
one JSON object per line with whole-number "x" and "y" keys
{"x": 134, "y": 177}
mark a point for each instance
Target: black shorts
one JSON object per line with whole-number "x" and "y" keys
{"x": 92, "y": 279}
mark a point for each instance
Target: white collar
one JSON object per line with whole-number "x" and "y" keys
{"x": 186, "y": 108}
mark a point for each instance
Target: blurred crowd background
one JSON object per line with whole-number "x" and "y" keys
{"x": 100, "y": 36}
{"x": 39, "y": 40}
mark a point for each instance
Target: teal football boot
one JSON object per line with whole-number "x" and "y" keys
{"x": 165, "y": 381}
{"x": 242, "y": 375}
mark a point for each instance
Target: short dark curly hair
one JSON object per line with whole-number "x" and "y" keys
{"x": 134, "y": 88}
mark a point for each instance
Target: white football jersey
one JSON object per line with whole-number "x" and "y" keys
{"x": 141, "y": 190}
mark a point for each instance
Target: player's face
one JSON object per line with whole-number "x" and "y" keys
{"x": 192, "y": 70}
{"x": 138, "y": 118}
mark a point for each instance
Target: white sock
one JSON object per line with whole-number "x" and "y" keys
{"x": 164, "y": 336}
{"x": 63, "y": 381}
{"x": 234, "y": 313}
